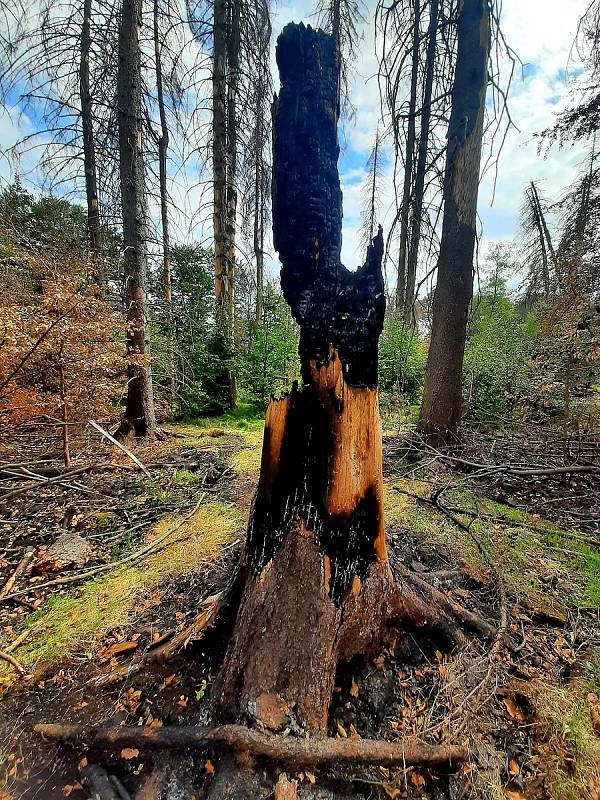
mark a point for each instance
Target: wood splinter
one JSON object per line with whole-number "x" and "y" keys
{"x": 296, "y": 753}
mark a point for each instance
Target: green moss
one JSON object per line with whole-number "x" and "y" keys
{"x": 567, "y": 714}
{"x": 183, "y": 476}
{"x": 103, "y": 519}
{"x": 73, "y": 622}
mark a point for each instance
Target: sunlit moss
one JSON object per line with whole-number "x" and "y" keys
{"x": 73, "y": 622}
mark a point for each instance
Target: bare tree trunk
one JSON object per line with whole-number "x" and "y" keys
{"x": 219, "y": 151}
{"x": 163, "y": 145}
{"x": 139, "y": 410}
{"x": 401, "y": 297}
{"x": 421, "y": 168}
{"x": 258, "y": 244}
{"x": 89, "y": 149}
{"x": 224, "y": 195}
{"x": 441, "y": 408}
{"x": 233, "y": 65}
{"x": 543, "y": 236}
{"x": 258, "y": 232}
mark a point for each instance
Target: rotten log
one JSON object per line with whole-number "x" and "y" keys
{"x": 287, "y": 750}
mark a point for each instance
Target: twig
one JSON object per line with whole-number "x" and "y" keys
{"x": 56, "y": 479}
{"x": 130, "y": 559}
{"x": 12, "y": 660}
{"x": 20, "y": 568}
{"x": 121, "y": 447}
{"x": 211, "y": 609}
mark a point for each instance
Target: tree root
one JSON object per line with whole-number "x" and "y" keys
{"x": 297, "y": 753}
{"x": 205, "y": 619}
{"x": 416, "y": 601}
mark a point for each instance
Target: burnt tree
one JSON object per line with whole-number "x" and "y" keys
{"x": 316, "y": 584}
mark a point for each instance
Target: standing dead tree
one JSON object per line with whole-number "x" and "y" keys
{"x": 58, "y": 59}
{"x": 538, "y": 249}
{"x": 442, "y": 397}
{"x": 139, "y": 416}
{"x": 415, "y": 68}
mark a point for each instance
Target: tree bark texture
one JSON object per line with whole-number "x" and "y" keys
{"x": 421, "y": 165}
{"x": 89, "y": 148}
{"x": 163, "y": 148}
{"x": 139, "y": 410}
{"x": 224, "y": 145}
{"x": 441, "y": 407}
{"x": 316, "y": 578}
{"x": 407, "y": 189}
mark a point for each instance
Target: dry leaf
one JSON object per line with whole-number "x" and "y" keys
{"x": 67, "y": 790}
{"x": 342, "y": 730}
{"x": 354, "y": 688}
{"x": 83, "y": 763}
{"x": 129, "y": 752}
{"x": 417, "y": 779}
{"x": 310, "y": 777}
{"x": 391, "y": 791}
{"x": 209, "y": 768}
{"x": 513, "y": 767}
{"x": 513, "y": 710}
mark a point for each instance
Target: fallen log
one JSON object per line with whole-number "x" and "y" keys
{"x": 297, "y": 753}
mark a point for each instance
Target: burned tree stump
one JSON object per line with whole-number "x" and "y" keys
{"x": 315, "y": 562}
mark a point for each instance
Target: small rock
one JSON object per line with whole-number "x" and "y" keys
{"x": 69, "y": 549}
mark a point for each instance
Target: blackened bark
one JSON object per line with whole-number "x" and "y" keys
{"x": 334, "y": 307}
{"x": 139, "y": 410}
{"x": 89, "y": 148}
{"x": 441, "y": 408}
{"x": 315, "y": 571}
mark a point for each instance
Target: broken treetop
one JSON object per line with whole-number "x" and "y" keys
{"x": 333, "y": 306}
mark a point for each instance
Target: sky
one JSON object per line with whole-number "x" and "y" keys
{"x": 541, "y": 32}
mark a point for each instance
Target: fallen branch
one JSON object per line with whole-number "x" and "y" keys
{"x": 121, "y": 447}
{"x": 130, "y": 559}
{"x": 19, "y": 570}
{"x": 38, "y": 484}
{"x": 211, "y": 609}
{"x": 298, "y": 753}
{"x": 12, "y": 660}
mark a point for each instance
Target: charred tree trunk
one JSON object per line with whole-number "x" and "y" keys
{"x": 139, "y": 415}
{"x": 421, "y": 166}
{"x": 89, "y": 147}
{"x": 441, "y": 408}
{"x": 316, "y": 530}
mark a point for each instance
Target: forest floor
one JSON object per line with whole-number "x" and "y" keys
{"x": 116, "y": 563}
